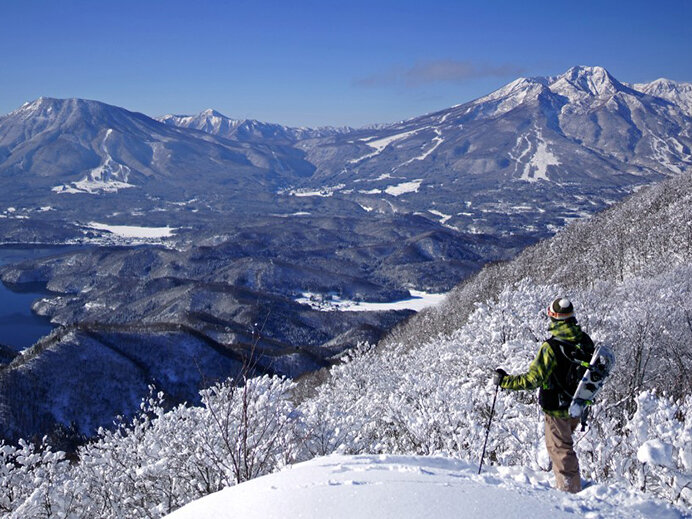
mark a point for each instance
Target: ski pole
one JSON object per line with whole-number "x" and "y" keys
{"x": 487, "y": 429}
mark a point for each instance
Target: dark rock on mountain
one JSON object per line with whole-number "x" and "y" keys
{"x": 6, "y": 355}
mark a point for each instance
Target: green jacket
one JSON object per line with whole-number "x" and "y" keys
{"x": 545, "y": 362}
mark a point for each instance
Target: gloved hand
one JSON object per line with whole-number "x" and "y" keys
{"x": 498, "y": 376}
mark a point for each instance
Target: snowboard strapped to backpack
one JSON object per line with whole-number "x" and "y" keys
{"x": 578, "y": 376}
{"x": 597, "y": 371}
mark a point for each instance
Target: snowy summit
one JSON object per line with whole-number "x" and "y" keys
{"x": 396, "y": 487}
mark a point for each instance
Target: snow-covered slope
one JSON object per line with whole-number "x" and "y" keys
{"x": 399, "y": 487}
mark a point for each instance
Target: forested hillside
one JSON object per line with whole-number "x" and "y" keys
{"x": 428, "y": 389}
{"x": 649, "y": 234}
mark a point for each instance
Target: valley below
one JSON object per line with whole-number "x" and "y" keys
{"x": 197, "y": 297}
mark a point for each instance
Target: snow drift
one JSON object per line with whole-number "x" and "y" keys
{"x": 379, "y": 487}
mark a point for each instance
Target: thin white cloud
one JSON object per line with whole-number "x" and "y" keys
{"x": 437, "y": 71}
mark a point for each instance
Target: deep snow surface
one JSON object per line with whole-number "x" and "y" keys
{"x": 396, "y": 487}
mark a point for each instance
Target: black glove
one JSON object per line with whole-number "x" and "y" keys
{"x": 498, "y": 376}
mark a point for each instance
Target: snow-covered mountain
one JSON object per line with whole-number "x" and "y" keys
{"x": 531, "y": 155}
{"x": 575, "y": 131}
{"x": 72, "y": 146}
{"x": 216, "y": 123}
{"x": 526, "y": 158}
{"x": 581, "y": 128}
{"x": 680, "y": 94}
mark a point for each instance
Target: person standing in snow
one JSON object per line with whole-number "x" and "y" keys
{"x": 556, "y": 370}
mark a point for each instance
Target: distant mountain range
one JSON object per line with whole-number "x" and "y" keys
{"x": 532, "y": 129}
{"x": 571, "y": 136}
{"x": 583, "y": 125}
{"x": 248, "y": 130}
{"x": 679, "y": 94}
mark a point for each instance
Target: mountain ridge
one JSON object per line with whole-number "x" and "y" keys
{"x": 524, "y": 131}
{"x": 584, "y": 114}
{"x": 214, "y": 122}
{"x": 661, "y": 87}
{"x": 83, "y": 141}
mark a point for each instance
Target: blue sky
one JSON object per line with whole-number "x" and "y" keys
{"x": 324, "y": 63}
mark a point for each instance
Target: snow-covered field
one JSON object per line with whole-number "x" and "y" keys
{"x": 323, "y": 192}
{"x": 416, "y": 302}
{"x": 380, "y": 144}
{"x": 397, "y": 487}
{"x": 404, "y": 187}
{"x": 131, "y": 231}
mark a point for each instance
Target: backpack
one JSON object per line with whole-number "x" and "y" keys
{"x": 572, "y": 361}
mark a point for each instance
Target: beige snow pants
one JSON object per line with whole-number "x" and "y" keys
{"x": 558, "y": 440}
